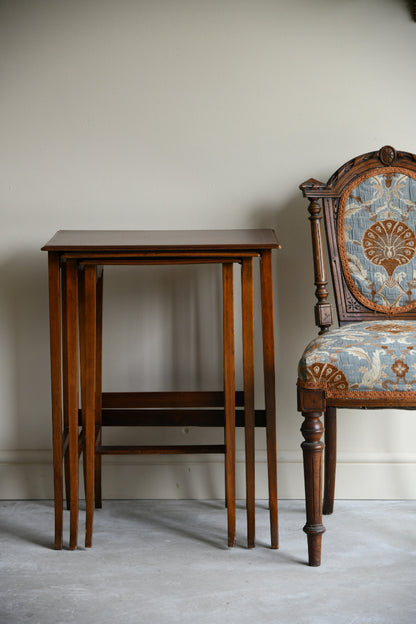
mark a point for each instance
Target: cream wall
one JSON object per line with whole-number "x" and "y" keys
{"x": 187, "y": 114}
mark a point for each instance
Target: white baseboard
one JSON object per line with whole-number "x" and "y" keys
{"x": 26, "y": 475}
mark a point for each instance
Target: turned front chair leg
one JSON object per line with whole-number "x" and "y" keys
{"x": 312, "y": 430}
{"x": 330, "y": 459}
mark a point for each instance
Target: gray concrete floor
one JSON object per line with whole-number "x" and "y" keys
{"x": 163, "y": 562}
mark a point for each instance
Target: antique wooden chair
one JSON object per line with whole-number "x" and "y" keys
{"x": 369, "y": 361}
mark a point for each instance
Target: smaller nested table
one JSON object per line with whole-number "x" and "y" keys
{"x": 76, "y": 260}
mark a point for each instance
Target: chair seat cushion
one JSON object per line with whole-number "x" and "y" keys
{"x": 371, "y": 357}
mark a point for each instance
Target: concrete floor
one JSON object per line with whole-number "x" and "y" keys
{"x": 163, "y": 562}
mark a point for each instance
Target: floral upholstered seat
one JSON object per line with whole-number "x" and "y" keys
{"x": 366, "y": 358}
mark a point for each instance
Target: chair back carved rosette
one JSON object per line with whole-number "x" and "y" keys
{"x": 369, "y": 359}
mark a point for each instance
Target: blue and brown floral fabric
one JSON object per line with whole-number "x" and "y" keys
{"x": 365, "y": 358}
{"x": 377, "y": 240}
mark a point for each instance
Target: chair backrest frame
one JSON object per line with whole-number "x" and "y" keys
{"x": 350, "y": 306}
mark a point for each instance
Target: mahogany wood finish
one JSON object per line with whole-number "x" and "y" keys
{"x": 56, "y": 383}
{"x": 269, "y": 386}
{"x": 98, "y": 384}
{"x": 176, "y": 418}
{"x": 249, "y": 411}
{"x": 87, "y": 342}
{"x": 65, "y": 448}
{"x": 313, "y": 403}
{"x": 111, "y": 400}
{"x": 76, "y": 261}
{"x": 70, "y": 382}
{"x": 229, "y": 395}
{"x": 330, "y": 459}
{"x": 160, "y": 242}
{"x": 312, "y": 447}
{"x": 323, "y": 310}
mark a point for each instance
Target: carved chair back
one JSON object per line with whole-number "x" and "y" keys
{"x": 370, "y": 219}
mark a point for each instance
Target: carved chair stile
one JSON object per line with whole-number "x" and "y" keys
{"x": 369, "y": 361}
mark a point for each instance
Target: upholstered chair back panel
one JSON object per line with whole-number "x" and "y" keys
{"x": 376, "y": 236}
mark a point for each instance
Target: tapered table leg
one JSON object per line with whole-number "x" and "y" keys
{"x": 82, "y": 357}
{"x": 70, "y": 329}
{"x": 64, "y": 388}
{"x": 98, "y": 384}
{"x": 56, "y": 390}
{"x": 229, "y": 395}
{"x": 87, "y": 318}
{"x": 248, "y": 373}
{"x": 269, "y": 388}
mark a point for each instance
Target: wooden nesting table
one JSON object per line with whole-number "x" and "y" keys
{"x": 76, "y": 259}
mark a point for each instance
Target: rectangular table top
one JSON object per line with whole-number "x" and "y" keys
{"x": 161, "y": 240}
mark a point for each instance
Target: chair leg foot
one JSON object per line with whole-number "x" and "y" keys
{"x": 328, "y": 508}
{"x": 314, "y": 549}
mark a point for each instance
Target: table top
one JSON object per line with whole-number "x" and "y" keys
{"x": 161, "y": 240}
